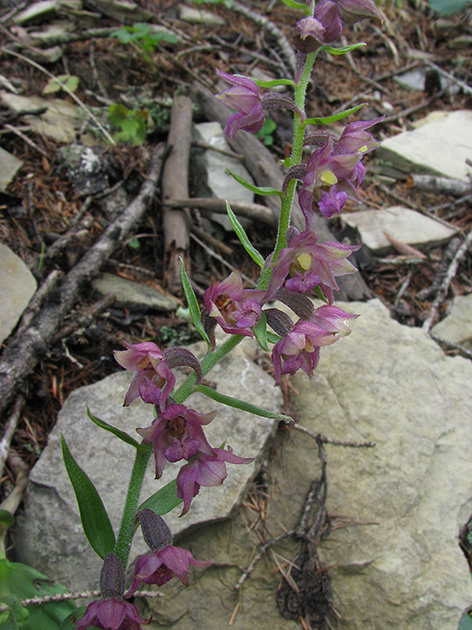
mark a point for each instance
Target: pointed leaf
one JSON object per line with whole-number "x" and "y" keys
{"x": 241, "y": 404}
{"x": 298, "y": 5}
{"x": 273, "y": 83}
{"x": 260, "y": 331}
{"x": 259, "y": 190}
{"x": 192, "y": 302}
{"x": 273, "y": 337}
{"x": 108, "y": 427}
{"x": 342, "y": 50}
{"x": 334, "y": 118}
{"x": 164, "y": 500}
{"x": 241, "y": 234}
{"x": 68, "y": 623}
{"x": 95, "y": 521}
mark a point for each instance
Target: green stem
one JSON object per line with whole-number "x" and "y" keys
{"x": 127, "y": 527}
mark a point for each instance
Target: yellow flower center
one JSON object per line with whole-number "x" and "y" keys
{"x": 304, "y": 260}
{"x": 328, "y": 178}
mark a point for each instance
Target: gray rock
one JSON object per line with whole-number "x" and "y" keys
{"x": 85, "y": 168}
{"x": 396, "y": 561}
{"x": 438, "y": 147}
{"x": 40, "y": 11}
{"x": 50, "y": 33}
{"x": 197, "y": 16}
{"x": 402, "y": 224}
{"x": 212, "y": 179}
{"x": 397, "y": 508}
{"x": 59, "y": 121}
{"x": 129, "y": 293}
{"x": 9, "y": 166}
{"x": 50, "y": 536}
{"x": 17, "y": 287}
{"x": 457, "y": 326}
{"x": 415, "y": 80}
{"x": 123, "y": 10}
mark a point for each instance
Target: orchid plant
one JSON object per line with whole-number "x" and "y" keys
{"x": 299, "y": 268}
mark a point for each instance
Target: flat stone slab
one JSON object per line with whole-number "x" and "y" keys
{"x": 457, "y": 326}
{"x": 17, "y": 287}
{"x": 9, "y": 166}
{"x": 59, "y": 121}
{"x": 197, "y": 16}
{"x": 129, "y": 293}
{"x": 50, "y": 537}
{"x": 402, "y": 224}
{"x": 438, "y": 147}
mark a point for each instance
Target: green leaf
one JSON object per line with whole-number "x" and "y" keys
{"x": 297, "y": 5}
{"x": 259, "y": 190}
{"x": 319, "y": 294}
{"x": 447, "y": 7}
{"x": 68, "y": 623}
{"x": 54, "y": 85}
{"x": 117, "y": 113}
{"x": 241, "y": 404}
{"x": 466, "y": 622}
{"x": 164, "y": 500}
{"x": 6, "y": 519}
{"x": 260, "y": 332}
{"x": 342, "y": 50}
{"x": 272, "y": 337}
{"x": 108, "y": 427}
{"x": 334, "y": 118}
{"x": 192, "y": 302}
{"x": 18, "y": 613}
{"x": 241, "y": 234}
{"x": 8, "y": 621}
{"x": 272, "y": 82}
{"x": 95, "y": 521}
{"x": 21, "y": 581}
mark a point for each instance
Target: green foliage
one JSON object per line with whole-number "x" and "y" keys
{"x": 228, "y": 3}
{"x": 94, "y": 517}
{"x": 164, "y": 500}
{"x": 447, "y": 7}
{"x": 19, "y": 581}
{"x": 117, "y": 432}
{"x": 241, "y": 234}
{"x": 132, "y": 123}
{"x": 144, "y": 35}
{"x": 69, "y": 81}
{"x": 466, "y": 622}
{"x": 266, "y": 131}
{"x": 192, "y": 302}
{"x": 259, "y": 190}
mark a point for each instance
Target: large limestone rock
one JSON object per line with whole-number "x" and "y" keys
{"x": 397, "y": 508}
{"x": 440, "y": 146}
{"x": 17, "y": 287}
{"x": 457, "y": 326}
{"x": 50, "y": 537}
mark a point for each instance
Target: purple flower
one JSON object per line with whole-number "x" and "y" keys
{"x": 236, "y": 309}
{"x": 333, "y": 14}
{"x": 308, "y": 33}
{"x": 326, "y": 169}
{"x": 355, "y": 137}
{"x": 154, "y": 380}
{"x": 300, "y": 348}
{"x": 177, "y": 434}
{"x": 158, "y": 567}
{"x": 245, "y": 97}
{"x": 112, "y": 614}
{"x": 205, "y": 470}
{"x": 305, "y": 264}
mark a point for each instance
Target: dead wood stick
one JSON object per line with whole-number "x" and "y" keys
{"x": 22, "y": 353}
{"x": 263, "y": 167}
{"x": 434, "y": 184}
{"x": 207, "y": 205}
{"x": 175, "y": 186}
{"x": 10, "y": 428}
{"x": 451, "y": 272}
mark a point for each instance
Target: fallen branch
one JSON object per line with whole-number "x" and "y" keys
{"x": 23, "y": 351}
{"x": 434, "y": 184}
{"x": 443, "y": 289}
{"x": 208, "y": 205}
{"x": 175, "y": 222}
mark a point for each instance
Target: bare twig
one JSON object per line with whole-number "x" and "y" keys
{"x": 451, "y": 77}
{"x": 208, "y": 205}
{"x": 22, "y": 353}
{"x": 10, "y": 428}
{"x": 325, "y": 440}
{"x": 443, "y": 289}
